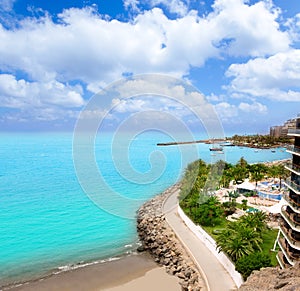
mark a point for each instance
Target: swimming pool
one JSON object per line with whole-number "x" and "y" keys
{"x": 269, "y": 195}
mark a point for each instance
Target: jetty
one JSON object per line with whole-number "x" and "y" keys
{"x": 207, "y": 141}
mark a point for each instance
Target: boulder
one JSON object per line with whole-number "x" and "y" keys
{"x": 159, "y": 239}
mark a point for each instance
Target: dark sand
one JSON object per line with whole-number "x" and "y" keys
{"x": 134, "y": 272}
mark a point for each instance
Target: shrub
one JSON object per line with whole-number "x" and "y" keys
{"x": 254, "y": 261}
{"x": 244, "y": 204}
{"x": 229, "y": 207}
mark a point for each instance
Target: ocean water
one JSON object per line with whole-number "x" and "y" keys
{"x": 47, "y": 222}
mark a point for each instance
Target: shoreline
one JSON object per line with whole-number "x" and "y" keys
{"x": 64, "y": 269}
{"x": 133, "y": 272}
{"x": 128, "y": 271}
{"x": 166, "y": 248}
{"x": 56, "y": 276}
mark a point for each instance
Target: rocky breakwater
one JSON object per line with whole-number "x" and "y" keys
{"x": 159, "y": 239}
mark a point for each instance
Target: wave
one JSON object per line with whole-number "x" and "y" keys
{"x": 82, "y": 264}
{"x": 70, "y": 267}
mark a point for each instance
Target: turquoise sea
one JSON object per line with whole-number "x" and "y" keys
{"x": 48, "y": 223}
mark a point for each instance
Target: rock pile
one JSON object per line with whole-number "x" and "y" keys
{"x": 159, "y": 239}
{"x": 273, "y": 279}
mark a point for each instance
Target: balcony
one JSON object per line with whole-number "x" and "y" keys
{"x": 294, "y": 205}
{"x": 280, "y": 258}
{"x": 287, "y": 233}
{"x": 292, "y": 185}
{"x": 293, "y": 168}
{"x": 291, "y": 255}
{"x": 293, "y": 150}
{"x": 294, "y": 132}
{"x": 285, "y": 250}
{"x": 289, "y": 218}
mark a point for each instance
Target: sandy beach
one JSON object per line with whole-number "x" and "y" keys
{"x": 134, "y": 272}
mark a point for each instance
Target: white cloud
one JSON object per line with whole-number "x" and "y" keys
{"x": 254, "y": 107}
{"x": 87, "y": 47}
{"x": 215, "y": 98}
{"x": 84, "y": 46}
{"x": 22, "y": 94}
{"x": 271, "y": 77}
{"x": 174, "y": 6}
{"x": 237, "y": 113}
{"x": 226, "y": 110}
{"x": 131, "y": 105}
{"x": 151, "y": 104}
{"x": 7, "y": 5}
{"x": 293, "y": 25}
{"x": 131, "y": 5}
{"x": 245, "y": 29}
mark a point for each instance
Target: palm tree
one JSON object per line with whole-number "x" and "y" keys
{"x": 238, "y": 240}
{"x": 279, "y": 171}
{"x": 283, "y": 173}
{"x": 256, "y": 221}
{"x": 242, "y": 162}
{"x": 238, "y": 173}
{"x": 257, "y": 172}
{"x": 249, "y": 234}
{"x": 238, "y": 247}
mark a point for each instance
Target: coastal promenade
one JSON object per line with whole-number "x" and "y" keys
{"x": 216, "y": 277}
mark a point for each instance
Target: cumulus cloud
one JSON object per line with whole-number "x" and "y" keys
{"x": 254, "y": 107}
{"x": 228, "y": 111}
{"x": 22, "y": 94}
{"x": 131, "y": 5}
{"x": 293, "y": 25}
{"x": 268, "y": 77}
{"x": 245, "y": 29}
{"x": 174, "y": 6}
{"x": 85, "y": 47}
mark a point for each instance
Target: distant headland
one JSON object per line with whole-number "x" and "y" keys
{"x": 253, "y": 141}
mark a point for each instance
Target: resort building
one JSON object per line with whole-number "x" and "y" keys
{"x": 275, "y": 131}
{"x": 289, "y": 229}
{"x": 282, "y": 130}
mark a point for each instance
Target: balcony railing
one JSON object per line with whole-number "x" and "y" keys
{"x": 292, "y": 255}
{"x": 294, "y": 131}
{"x": 294, "y": 205}
{"x": 287, "y": 233}
{"x": 281, "y": 261}
{"x": 289, "y": 218}
{"x": 292, "y": 185}
{"x": 293, "y": 149}
{"x": 288, "y": 255}
{"x": 293, "y": 168}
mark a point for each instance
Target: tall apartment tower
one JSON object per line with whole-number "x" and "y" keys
{"x": 289, "y": 229}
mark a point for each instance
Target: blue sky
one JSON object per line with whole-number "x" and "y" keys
{"x": 244, "y": 56}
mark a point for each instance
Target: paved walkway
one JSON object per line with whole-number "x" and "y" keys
{"x": 216, "y": 277}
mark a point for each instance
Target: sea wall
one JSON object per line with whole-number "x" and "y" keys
{"x": 161, "y": 242}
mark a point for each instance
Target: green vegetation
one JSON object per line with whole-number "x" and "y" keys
{"x": 210, "y": 213}
{"x": 269, "y": 237}
{"x": 242, "y": 237}
{"x": 247, "y": 241}
{"x": 255, "y": 261}
{"x": 255, "y": 172}
{"x": 259, "y": 141}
